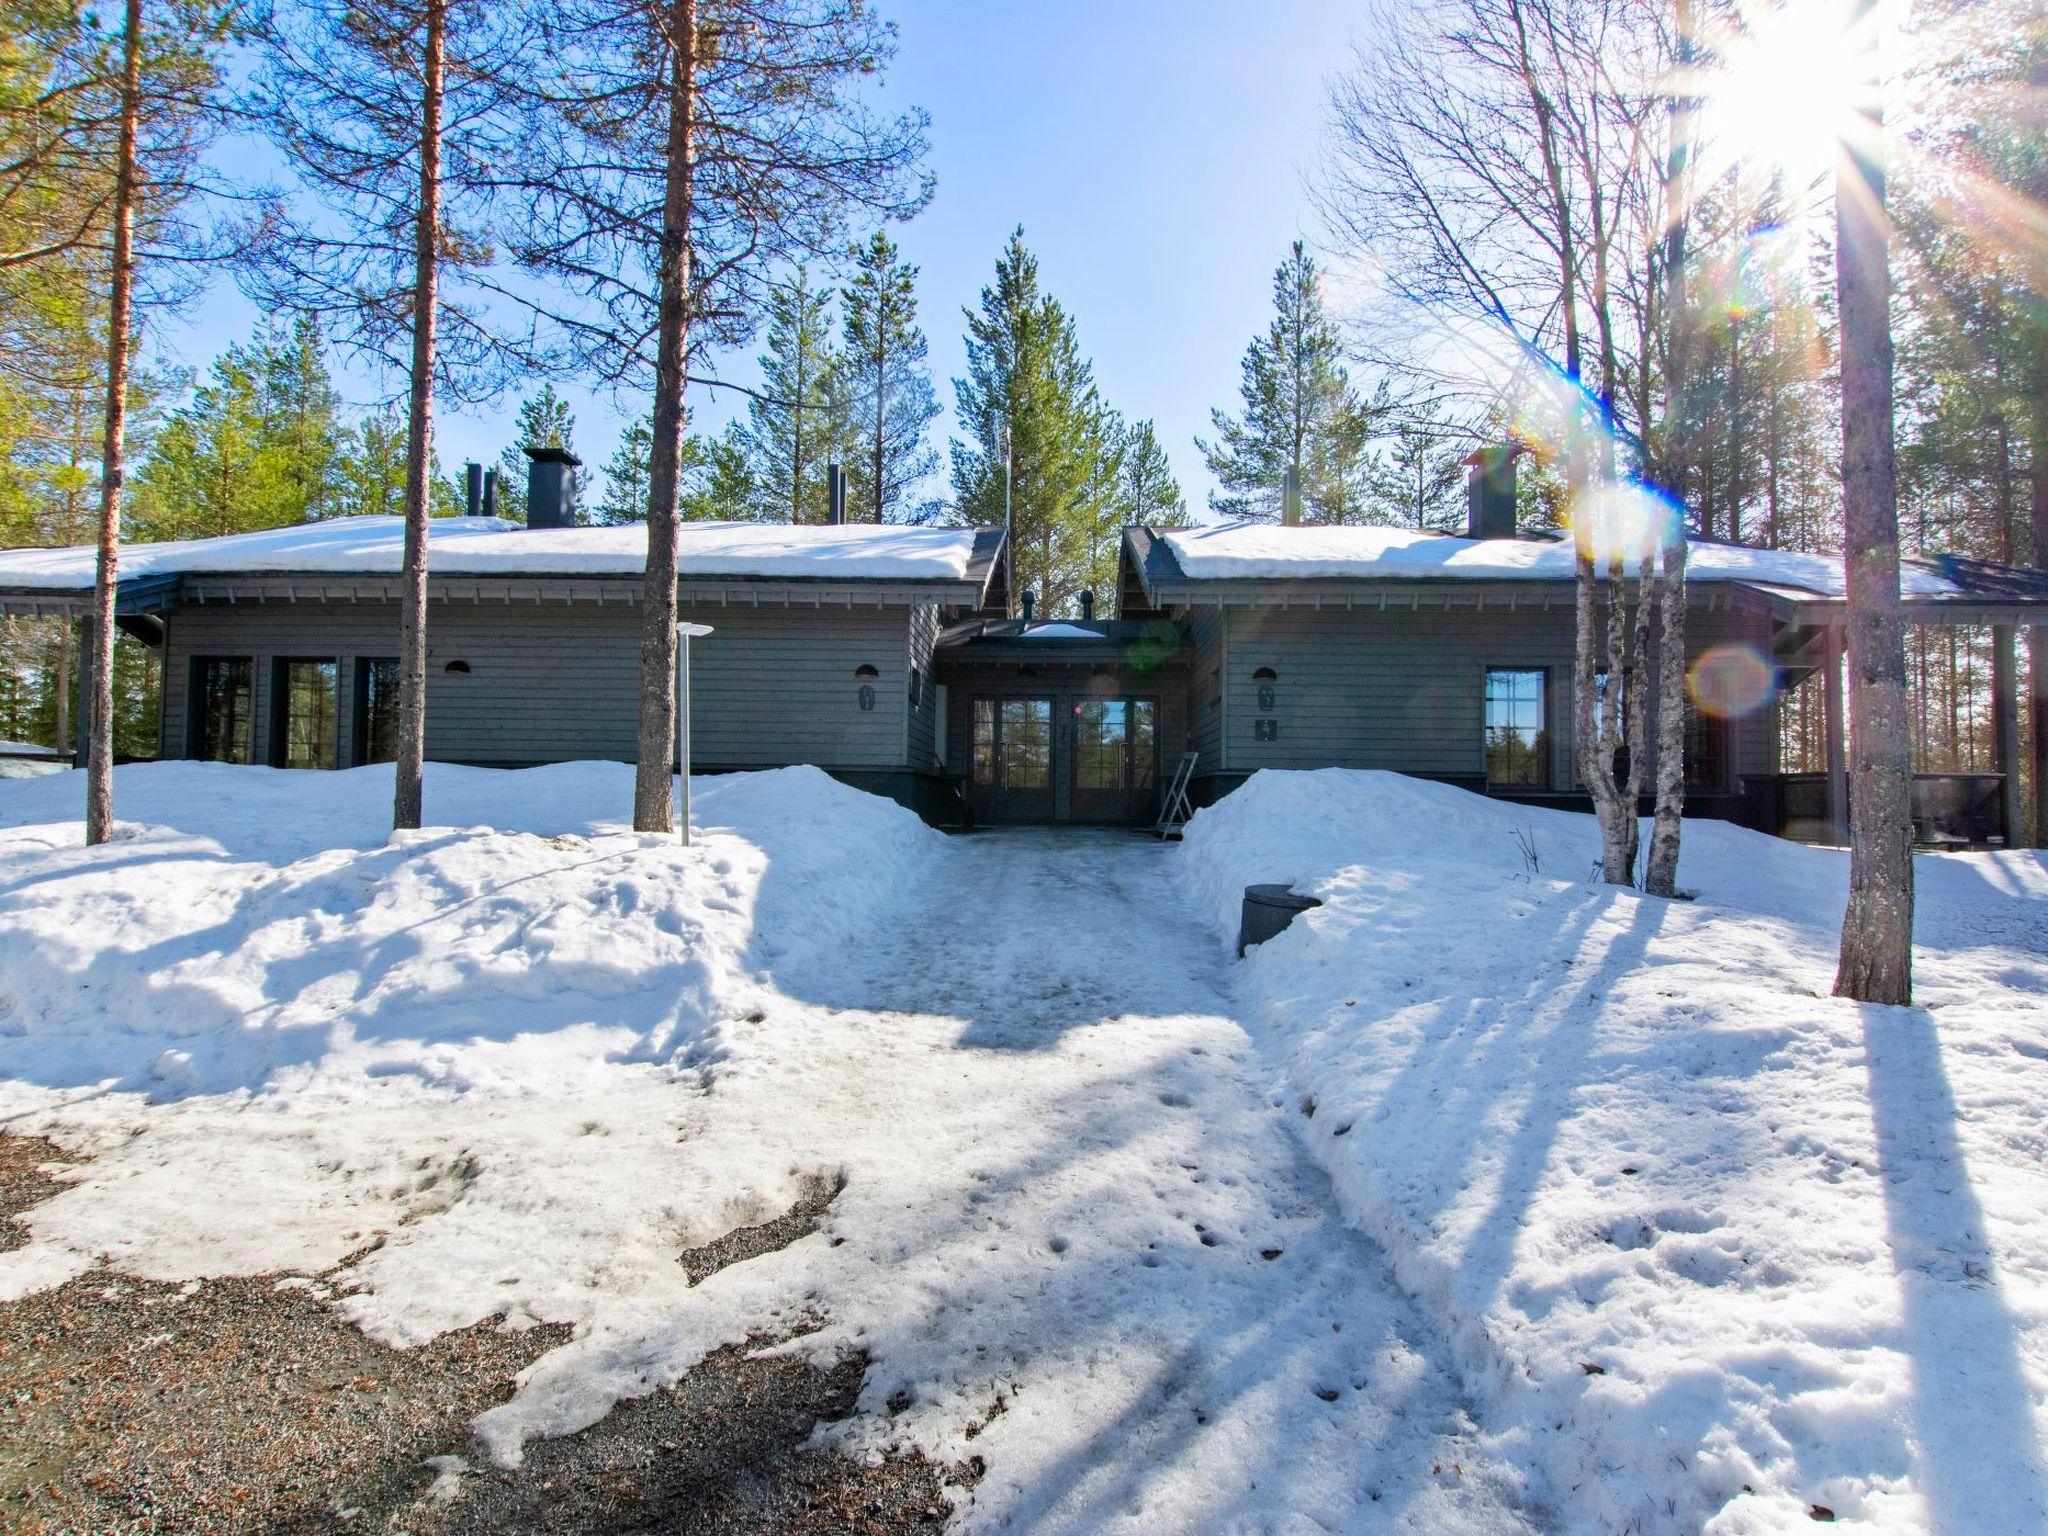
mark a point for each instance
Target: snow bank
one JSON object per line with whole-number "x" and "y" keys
{"x": 284, "y": 1036}
{"x": 1246, "y": 550}
{"x": 1724, "y": 1253}
{"x": 485, "y": 546}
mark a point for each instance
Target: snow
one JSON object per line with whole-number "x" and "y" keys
{"x": 19, "y": 760}
{"x": 485, "y": 546}
{"x": 1058, "y": 631}
{"x": 1266, "y": 550}
{"x": 514, "y": 1063}
{"x": 1712, "y": 1249}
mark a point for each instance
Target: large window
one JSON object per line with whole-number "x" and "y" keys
{"x": 219, "y": 709}
{"x": 1013, "y": 743}
{"x": 376, "y": 709}
{"x": 1706, "y": 749}
{"x": 1517, "y": 734}
{"x": 305, "y": 714}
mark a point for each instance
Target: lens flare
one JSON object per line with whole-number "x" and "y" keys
{"x": 1627, "y": 519}
{"x": 1730, "y": 681}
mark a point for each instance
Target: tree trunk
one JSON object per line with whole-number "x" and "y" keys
{"x": 410, "y": 768}
{"x": 2037, "y": 636}
{"x": 99, "y": 759}
{"x": 1660, "y": 875}
{"x": 1877, "y": 929}
{"x": 652, "y": 798}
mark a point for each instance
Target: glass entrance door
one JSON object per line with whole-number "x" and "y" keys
{"x": 1011, "y": 771}
{"x": 1115, "y": 760}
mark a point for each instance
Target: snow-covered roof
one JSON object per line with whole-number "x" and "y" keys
{"x": 1255, "y": 551}
{"x": 486, "y": 546}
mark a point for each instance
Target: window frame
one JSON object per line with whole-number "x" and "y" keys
{"x": 196, "y": 709}
{"x": 359, "y": 710}
{"x": 1545, "y": 754}
{"x": 280, "y": 709}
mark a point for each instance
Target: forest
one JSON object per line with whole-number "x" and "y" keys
{"x": 1472, "y": 151}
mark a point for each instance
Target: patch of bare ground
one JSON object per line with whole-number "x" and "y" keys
{"x": 719, "y": 1453}
{"x": 247, "y": 1405}
{"x": 243, "y": 1404}
{"x": 25, "y": 1181}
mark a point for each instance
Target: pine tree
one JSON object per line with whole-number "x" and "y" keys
{"x": 1148, "y": 493}
{"x": 545, "y": 421}
{"x": 261, "y": 444}
{"x": 1028, "y": 388}
{"x": 790, "y": 433}
{"x": 885, "y": 385}
{"x": 1300, "y": 413}
{"x": 718, "y": 479}
{"x": 625, "y": 476}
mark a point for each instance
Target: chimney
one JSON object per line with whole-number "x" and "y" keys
{"x": 550, "y": 486}
{"x": 835, "y": 494}
{"x": 1030, "y": 602}
{"x": 473, "y": 488}
{"x": 1087, "y": 607}
{"x": 490, "y": 501}
{"x": 1290, "y": 498}
{"x": 1490, "y": 491}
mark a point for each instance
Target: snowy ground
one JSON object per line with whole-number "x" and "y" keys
{"x": 1714, "y": 1250}
{"x": 519, "y": 1070}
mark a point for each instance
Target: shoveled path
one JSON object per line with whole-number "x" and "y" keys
{"x": 1107, "y": 1218}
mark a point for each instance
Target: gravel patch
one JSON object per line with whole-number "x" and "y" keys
{"x": 26, "y": 1180}
{"x": 239, "y": 1404}
{"x": 719, "y": 1453}
{"x": 248, "y": 1404}
{"x": 743, "y": 1243}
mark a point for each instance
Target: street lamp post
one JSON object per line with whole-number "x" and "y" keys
{"x": 685, "y": 633}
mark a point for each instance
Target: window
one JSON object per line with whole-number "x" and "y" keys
{"x": 376, "y": 709}
{"x": 1144, "y": 745}
{"x": 916, "y": 687}
{"x": 1099, "y": 743}
{"x": 305, "y": 710}
{"x": 1706, "y": 749}
{"x": 1517, "y": 740}
{"x": 219, "y": 709}
{"x": 1026, "y": 743}
{"x": 1013, "y": 743}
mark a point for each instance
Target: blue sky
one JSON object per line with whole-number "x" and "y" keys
{"x": 1153, "y": 151}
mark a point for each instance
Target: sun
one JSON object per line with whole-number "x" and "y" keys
{"x": 1782, "y": 89}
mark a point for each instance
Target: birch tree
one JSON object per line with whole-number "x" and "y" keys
{"x": 1494, "y": 162}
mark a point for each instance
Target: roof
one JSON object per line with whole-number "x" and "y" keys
{"x": 1271, "y": 552}
{"x": 1140, "y": 641}
{"x": 1178, "y": 565}
{"x": 484, "y": 547}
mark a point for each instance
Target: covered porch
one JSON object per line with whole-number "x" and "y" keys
{"x": 1964, "y": 806}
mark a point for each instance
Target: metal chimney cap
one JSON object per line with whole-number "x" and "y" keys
{"x": 553, "y": 456}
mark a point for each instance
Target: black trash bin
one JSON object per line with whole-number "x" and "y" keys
{"x": 1267, "y": 910}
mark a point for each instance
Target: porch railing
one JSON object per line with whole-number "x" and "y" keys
{"x": 1949, "y": 809}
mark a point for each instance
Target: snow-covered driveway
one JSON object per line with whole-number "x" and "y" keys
{"x": 521, "y": 1064}
{"x": 1079, "y": 1200}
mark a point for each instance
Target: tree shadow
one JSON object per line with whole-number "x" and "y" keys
{"x": 1981, "y": 1461}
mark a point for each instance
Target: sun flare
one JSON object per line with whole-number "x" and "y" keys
{"x": 1783, "y": 91}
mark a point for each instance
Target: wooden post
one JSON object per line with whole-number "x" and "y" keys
{"x": 2005, "y": 728}
{"x": 1838, "y": 765}
{"x": 81, "y": 716}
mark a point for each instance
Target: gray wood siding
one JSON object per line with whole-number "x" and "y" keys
{"x": 1406, "y": 690}
{"x": 1204, "y": 703}
{"x": 770, "y": 686}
